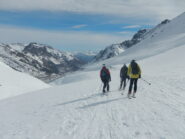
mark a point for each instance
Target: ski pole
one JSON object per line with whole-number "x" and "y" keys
{"x": 127, "y": 81}
{"x": 100, "y": 87}
{"x": 146, "y": 81}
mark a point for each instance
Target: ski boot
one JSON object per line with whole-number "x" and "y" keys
{"x": 104, "y": 91}
{"x": 134, "y": 95}
{"x": 129, "y": 95}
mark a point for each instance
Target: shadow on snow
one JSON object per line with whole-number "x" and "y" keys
{"x": 100, "y": 103}
{"x": 77, "y": 100}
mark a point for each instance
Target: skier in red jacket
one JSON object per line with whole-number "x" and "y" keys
{"x": 105, "y": 77}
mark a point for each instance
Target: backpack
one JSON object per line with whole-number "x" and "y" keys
{"x": 124, "y": 71}
{"x": 104, "y": 73}
{"x": 135, "y": 68}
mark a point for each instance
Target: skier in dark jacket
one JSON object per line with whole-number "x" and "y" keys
{"x": 134, "y": 72}
{"x": 123, "y": 76}
{"x": 105, "y": 77}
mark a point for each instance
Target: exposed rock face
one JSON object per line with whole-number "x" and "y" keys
{"x": 39, "y": 60}
{"x": 116, "y": 49}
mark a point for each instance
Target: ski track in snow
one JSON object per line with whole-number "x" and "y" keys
{"x": 79, "y": 110}
{"x": 93, "y": 116}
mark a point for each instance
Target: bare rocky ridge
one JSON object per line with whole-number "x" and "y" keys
{"x": 116, "y": 49}
{"x": 39, "y": 60}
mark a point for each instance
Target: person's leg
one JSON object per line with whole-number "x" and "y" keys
{"x": 104, "y": 85}
{"x": 135, "y": 85}
{"x": 130, "y": 87}
{"x": 107, "y": 85}
{"x": 121, "y": 83}
{"x": 124, "y": 83}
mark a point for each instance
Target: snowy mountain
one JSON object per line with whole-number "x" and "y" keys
{"x": 116, "y": 49}
{"x": 86, "y": 57}
{"x": 17, "y": 46}
{"x": 108, "y": 52}
{"x": 13, "y": 83}
{"x": 76, "y": 109}
{"x": 39, "y": 60}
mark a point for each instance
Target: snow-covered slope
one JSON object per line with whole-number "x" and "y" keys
{"x": 77, "y": 109}
{"x": 117, "y": 49}
{"x": 108, "y": 52}
{"x": 14, "y": 83}
{"x": 18, "y": 46}
{"x": 162, "y": 38}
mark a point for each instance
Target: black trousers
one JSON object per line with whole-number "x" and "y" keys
{"x": 133, "y": 82}
{"x": 123, "y": 80}
{"x": 105, "y": 85}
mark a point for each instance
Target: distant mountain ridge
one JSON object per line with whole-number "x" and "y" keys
{"x": 86, "y": 57}
{"x": 116, "y": 49}
{"x": 46, "y": 63}
{"x": 39, "y": 60}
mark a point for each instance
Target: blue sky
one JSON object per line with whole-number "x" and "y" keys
{"x": 70, "y": 21}
{"x": 78, "y": 25}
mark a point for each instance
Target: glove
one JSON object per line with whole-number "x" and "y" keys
{"x": 128, "y": 77}
{"x": 102, "y": 80}
{"x": 109, "y": 80}
{"x": 140, "y": 76}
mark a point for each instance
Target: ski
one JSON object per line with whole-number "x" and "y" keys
{"x": 122, "y": 91}
{"x": 105, "y": 94}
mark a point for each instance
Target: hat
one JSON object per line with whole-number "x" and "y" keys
{"x": 103, "y": 65}
{"x": 133, "y": 60}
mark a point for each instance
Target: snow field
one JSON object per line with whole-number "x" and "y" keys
{"x": 14, "y": 83}
{"x": 78, "y": 110}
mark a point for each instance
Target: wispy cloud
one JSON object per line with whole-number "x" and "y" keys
{"x": 79, "y": 26}
{"x": 54, "y": 20}
{"x": 129, "y": 34}
{"x": 81, "y": 41}
{"x": 131, "y": 26}
{"x": 158, "y": 9}
{"x": 126, "y": 32}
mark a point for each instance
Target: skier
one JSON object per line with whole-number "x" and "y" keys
{"x": 105, "y": 77}
{"x": 123, "y": 76}
{"x": 134, "y": 73}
